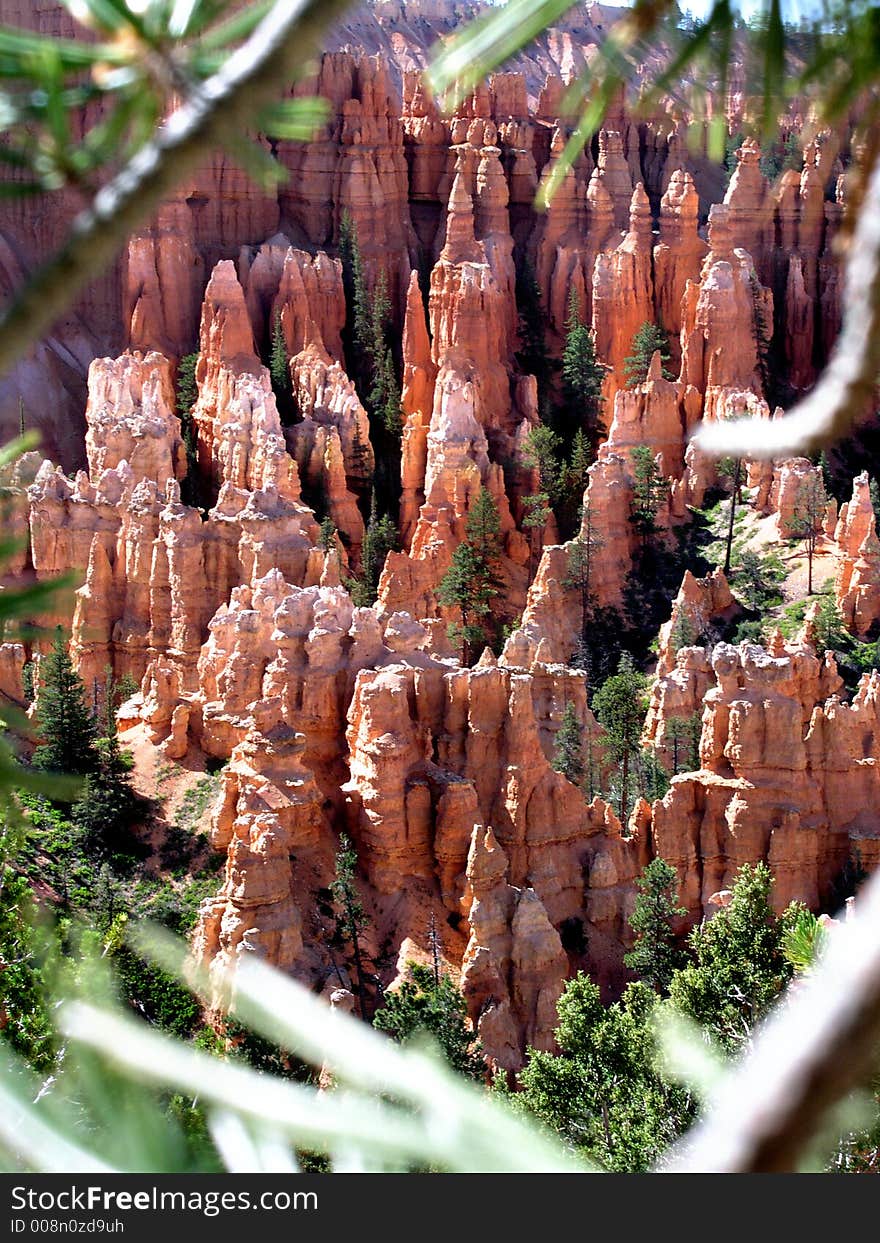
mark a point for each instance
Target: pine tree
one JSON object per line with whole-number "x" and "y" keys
{"x": 279, "y": 373}
{"x": 758, "y": 579}
{"x": 582, "y": 377}
{"x": 533, "y": 355}
{"x": 683, "y": 737}
{"x": 575, "y": 479}
{"x": 874, "y": 489}
{"x": 107, "y": 807}
{"x": 380, "y": 538}
{"x": 655, "y": 957}
{"x": 807, "y": 522}
{"x": 425, "y": 1004}
{"x": 472, "y": 582}
{"x": 732, "y": 469}
{"x": 187, "y": 394}
{"x": 537, "y": 514}
{"x": 647, "y": 341}
{"x": 327, "y": 536}
{"x": 738, "y": 966}
{"x": 620, "y": 705}
{"x": 542, "y": 452}
{"x": 650, "y": 490}
{"x": 356, "y": 298}
{"x": 684, "y": 632}
{"x": 65, "y": 724}
{"x": 580, "y": 569}
{"x": 351, "y": 918}
{"x": 568, "y": 753}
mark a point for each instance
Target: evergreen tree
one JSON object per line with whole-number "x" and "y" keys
{"x": 533, "y": 355}
{"x": 25, "y": 1021}
{"x": 650, "y": 490}
{"x": 423, "y": 1004}
{"x": 187, "y": 394}
{"x": 620, "y": 705}
{"x": 601, "y": 1092}
{"x": 568, "y": 754}
{"x": 683, "y": 738}
{"x": 874, "y": 489}
{"x": 732, "y": 468}
{"x": 582, "y": 376}
{"x": 655, "y": 957}
{"x": 758, "y": 579}
{"x": 279, "y": 373}
{"x": 542, "y": 453}
{"x": 739, "y": 965}
{"x": 684, "y": 632}
{"x": 380, "y": 538}
{"x": 579, "y": 577}
{"x": 472, "y": 582}
{"x": 383, "y": 401}
{"x": 647, "y": 341}
{"x": 807, "y": 522}
{"x": 327, "y": 536}
{"x": 575, "y": 478}
{"x": 356, "y": 297}
{"x": 351, "y": 918}
{"x": 107, "y": 807}
{"x": 537, "y": 514}
{"x": 65, "y": 724}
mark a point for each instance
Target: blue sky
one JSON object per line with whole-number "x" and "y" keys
{"x": 792, "y": 10}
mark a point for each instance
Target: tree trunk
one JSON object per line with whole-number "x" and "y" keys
{"x": 359, "y": 969}
{"x": 624, "y": 787}
{"x": 734, "y": 497}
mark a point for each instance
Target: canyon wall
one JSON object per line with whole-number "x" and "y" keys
{"x": 204, "y": 572}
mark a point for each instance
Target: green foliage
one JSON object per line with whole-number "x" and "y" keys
{"x": 575, "y": 478}
{"x": 757, "y": 580}
{"x": 279, "y": 374}
{"x": 158, "y": 996}
{"x": 533, "y": 355}
{"x": 620, "y": 705}
{"x": 582, "y": 376}
{"x": 684, "y": 632}
{"x": 601, "y": 1093}
{"x": 739, "y": 966}
{"x": 327, "y": 536}
{"x": 383, "y": 401}
{"x": 351, "y": 918}
{"x": 683, "y": 741}
{"x": 579, "y": 570}
{"x": 370, "y": 362}
{"x": 803, "y": 941}
{"x": 423, "y": 1004}
{"x": 645, "y": 344}
{"x": 656, "y": 956}
{"x": 108, "y": 807}
{"x": 650, "y": 489}
{"x": 380, "y": 538}
{"x": 542, "y": 451}
{"x": 568, "y": 753}
{"x": 808, "y": 518}
{"x": 24, "y": 1013}
{"x": 472, "y": 582}
{"x": 27, "y": 681}
{"x": 187, "y": 394}
{"x": 874, "y": 489}
{"x": 781, "y": 156}
{"x": 65, "y": 723}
